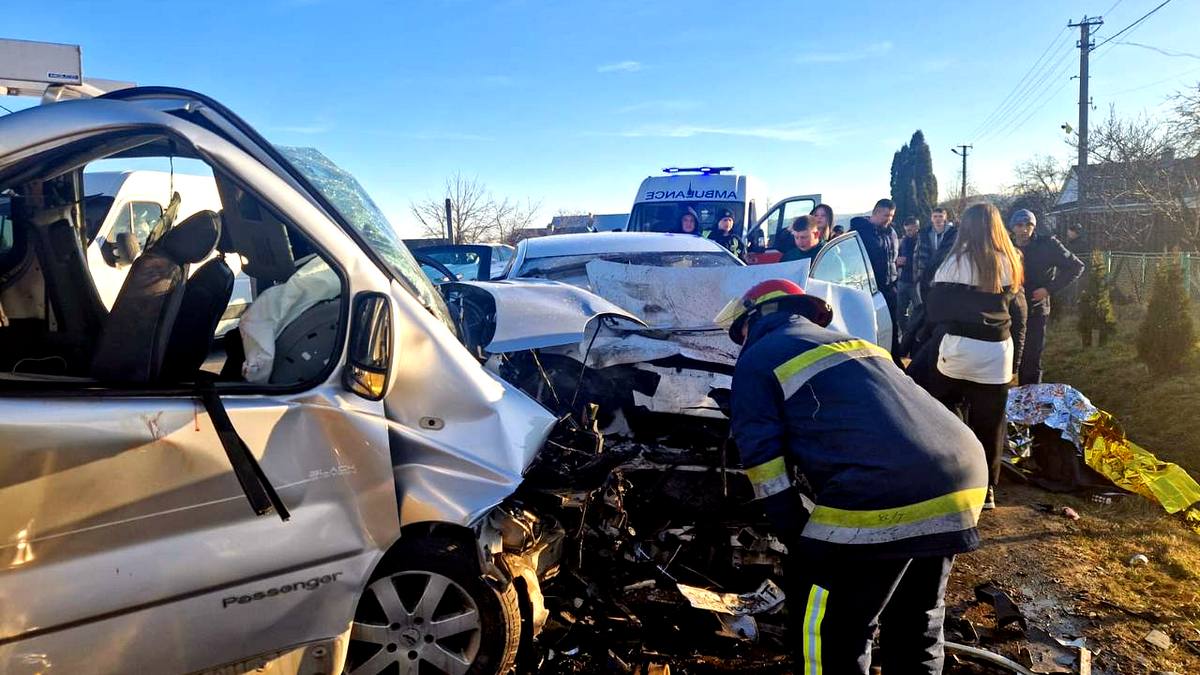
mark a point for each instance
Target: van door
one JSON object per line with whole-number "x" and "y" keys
{"x": 781, "y": 216}
{"x": 844, "y": 261}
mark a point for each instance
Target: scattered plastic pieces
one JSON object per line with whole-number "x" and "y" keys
{"x": 767, "y": 598}
{"x": 1158, "y": 639}
{"x": 1139, "y": 559}
{"x": 1069, "y": 512}
{"x": 1006, "y": 610}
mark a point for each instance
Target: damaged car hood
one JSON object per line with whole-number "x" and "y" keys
{"x": 536, "y": 313}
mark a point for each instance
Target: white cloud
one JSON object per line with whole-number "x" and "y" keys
{"x": 660, "y": 106}
{"x": 814, "y": 132}
{"x": 876, "y": 49}
{"x": 620, "y": 67}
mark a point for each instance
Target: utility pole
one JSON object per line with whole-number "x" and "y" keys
{"x": 963, "y": 196}
{"x": 1085, "y": 48}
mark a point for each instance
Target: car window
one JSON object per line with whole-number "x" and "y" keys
{"x": 6, "y": 227}
{"x": 572, "y": 269}
{"x": 464, "y": 264}
{"x": 842, "y": 262}
{"x": 139, "y": 218}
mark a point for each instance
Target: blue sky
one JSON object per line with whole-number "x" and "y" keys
{"x": 571, "y": 104}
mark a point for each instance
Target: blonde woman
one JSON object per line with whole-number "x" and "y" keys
{"x": 977, "y": 311}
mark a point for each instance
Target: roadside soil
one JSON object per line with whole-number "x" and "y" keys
{"x": 1073, "y": 579}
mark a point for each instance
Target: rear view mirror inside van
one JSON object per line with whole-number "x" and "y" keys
{"x": 370, "y": 353}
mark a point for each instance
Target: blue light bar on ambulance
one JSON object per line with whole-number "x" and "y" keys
{"x": 706, "y": 170}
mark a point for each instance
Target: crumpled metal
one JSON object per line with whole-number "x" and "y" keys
{"x": 1102, "y": 442}
{"x": 1129, "y": 466}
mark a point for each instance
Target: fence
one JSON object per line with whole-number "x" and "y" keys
{"x": 1132, "y": 274}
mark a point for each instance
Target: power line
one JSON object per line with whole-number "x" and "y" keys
{"x": 1126, "y": 28}
{"x": 1007, "y": 99}
{"x": 1156, "y": 82}
{"x": 1020, "y": 98}
{"x": 1031, "y": 102}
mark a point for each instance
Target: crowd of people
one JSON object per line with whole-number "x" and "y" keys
{"x": 900, "y": 457}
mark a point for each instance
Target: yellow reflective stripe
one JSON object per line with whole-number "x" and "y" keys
{"x": 768, "y": 478}
{"x": 814, "y": 614}
{"x": 970, "y": 499}
{"x": 769, "y": 296}
{"x": 794, "y": 372}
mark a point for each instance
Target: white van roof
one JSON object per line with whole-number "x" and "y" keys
{"x": 110, "y": 182}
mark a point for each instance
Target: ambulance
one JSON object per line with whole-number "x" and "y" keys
{"x": 662, "y": 200}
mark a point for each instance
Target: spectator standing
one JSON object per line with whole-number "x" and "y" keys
{"x": 823, "y": 213}
{"x": 907, "y": 297}
{"x": 929, "y": 240}
{"x": 837, "y": 230}
{"x": 1049, "y": 269}
{"x": 807, "y": 235}
{"x": 976, "y": 309}
{"x": 882, "y": 248}
{"x": 723, "y": 233}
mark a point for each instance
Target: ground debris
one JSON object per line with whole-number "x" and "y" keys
{"x": 1158, "y": 639}
{"x": 1006, "y": 610}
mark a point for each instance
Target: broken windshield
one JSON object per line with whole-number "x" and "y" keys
{"x": 356, "y": 207}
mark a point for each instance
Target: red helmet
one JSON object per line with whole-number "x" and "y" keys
{"x": 769, "y": 296}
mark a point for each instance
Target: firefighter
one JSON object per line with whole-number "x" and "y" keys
{"x": 898, "y": 482}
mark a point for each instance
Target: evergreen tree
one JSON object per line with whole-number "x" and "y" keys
{"x": 925, "y": 187}
{"x": 1095, "y": 303}
{"x": 1167, "y": 335}
{"x": 914, "y": 187}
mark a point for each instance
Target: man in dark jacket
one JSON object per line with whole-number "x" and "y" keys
{"x": 929, "y": 240}
{"x": 723, "y": 233}
{"x": 882, "y": 248}
{"x": 898, "y": 482}
{"x": 1049, "y": 268}
{"x": 906, "y": 285}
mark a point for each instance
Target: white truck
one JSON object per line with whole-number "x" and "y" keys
{"x": 662, "y": 200}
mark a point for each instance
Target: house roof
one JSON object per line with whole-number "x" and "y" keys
{"x": 1111, "y": 183}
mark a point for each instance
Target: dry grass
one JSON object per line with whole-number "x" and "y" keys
{"x": 1160, "y": 414}
{"x": 1073, "y": 578}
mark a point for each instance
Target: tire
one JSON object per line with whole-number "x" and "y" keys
{"x": 468, "y": 629}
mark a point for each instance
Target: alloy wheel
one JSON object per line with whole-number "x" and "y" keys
{"x": 425, "y": 623}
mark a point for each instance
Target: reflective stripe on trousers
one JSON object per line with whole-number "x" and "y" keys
{"x": 952, "y": 512}
{"x": 814, "y": 614}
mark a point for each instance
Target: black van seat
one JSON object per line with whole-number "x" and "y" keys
{"x": 133, "y": 343}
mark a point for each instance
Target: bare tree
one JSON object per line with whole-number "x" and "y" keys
{"x": 1185, "y": 124}
{"x": 476, "y": 213}
{"x": 1152, "y": 197}
{"x": 1038, "y": 182}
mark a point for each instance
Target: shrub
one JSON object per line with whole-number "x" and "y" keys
{"x": 1095, "y": 303}
{"x": 1167, "y": 335}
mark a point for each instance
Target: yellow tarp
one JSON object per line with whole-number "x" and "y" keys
{"x": 1106, "y": 450}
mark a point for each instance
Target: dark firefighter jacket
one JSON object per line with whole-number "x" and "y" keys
{"x": 1048, "y": 265}
{"x": 894, "y": 472}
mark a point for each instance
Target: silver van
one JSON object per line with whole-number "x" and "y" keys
{"x": 323, "y": 489}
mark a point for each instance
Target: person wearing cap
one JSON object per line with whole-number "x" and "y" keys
{"x": 723, "y": 233}
{"x": 898, "y": 482}
{"x": 1049, "y": 269}
{"x": 689, "y": 222}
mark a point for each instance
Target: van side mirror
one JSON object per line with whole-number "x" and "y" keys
{"x": 127, "y": 249}
{"x": 369, "y": 358}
